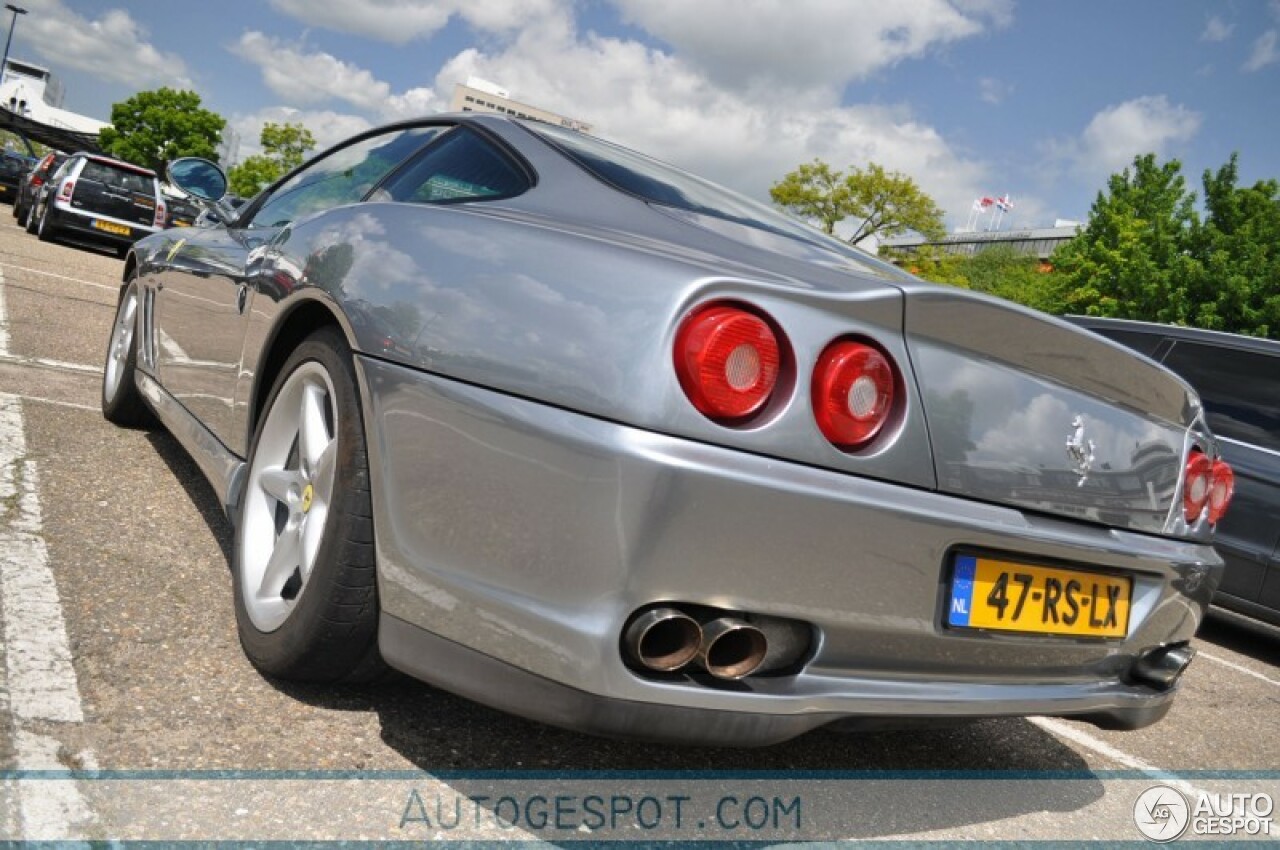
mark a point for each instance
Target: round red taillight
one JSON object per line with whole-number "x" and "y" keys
{"x": 853, "y": 393}
{"x": 727, "y": 360}
{"x": 1195, "y": 488}
{"x": 1221, "y": 490}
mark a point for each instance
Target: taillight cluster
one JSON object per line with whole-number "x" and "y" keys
{"x": 853, "y": 392}
{"x": 727, "y": 360}
{"x": 160, "y": 214}
{"x": 65, "y": 190}
{"x": 731, "y": 358}
{"x": 1210, "y": 483}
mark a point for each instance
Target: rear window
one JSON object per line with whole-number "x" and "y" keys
{"x": 668, "y": 186}
{"x": 1240, "y": 390}
{"x": 119, "y": 178}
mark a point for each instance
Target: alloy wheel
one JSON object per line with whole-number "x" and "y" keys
{"x": 287, "y": 496}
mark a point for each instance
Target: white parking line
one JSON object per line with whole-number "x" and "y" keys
{"x": 1239, "y": 668}
{"x": 39, "y": 677}
{"x": 49, "y": 363}
{"x": 1065, "y": 730}
{"x": 94, "y": 284}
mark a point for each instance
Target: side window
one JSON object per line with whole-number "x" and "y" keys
{"x": 1240, "y": 390}
{"x": 343, "y": 177}
{"x": 461, "y": 166}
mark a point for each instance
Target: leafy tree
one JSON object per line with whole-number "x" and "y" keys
{"x": 886, "y": 203}
{"x": 1131, "y": 259}
{"x": 288, "y": 144}
{"x": 153, "y": 127}
{"x": 1146, "y": 254}
{"x": 1001, "y": 271}
{"x": 1239, "y": 250}
{"x": 284, "y": 147}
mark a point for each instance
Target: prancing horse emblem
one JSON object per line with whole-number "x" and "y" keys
{"x": 1080, "y": 450}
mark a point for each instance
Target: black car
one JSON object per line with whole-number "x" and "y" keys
{"x": 30, "y": 185}
{"x": 93, "y": 198}
{"x": 1238, "y": 379}
{"x": 13, "y": 167}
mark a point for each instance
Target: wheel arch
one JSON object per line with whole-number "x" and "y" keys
{"x": 301, "y": 319}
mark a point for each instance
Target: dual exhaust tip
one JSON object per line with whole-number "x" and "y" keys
{"x": 665, "y": 640}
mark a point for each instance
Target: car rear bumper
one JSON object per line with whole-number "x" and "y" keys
{"x": 80, "y": 224}
{"x": 515, "y": 540}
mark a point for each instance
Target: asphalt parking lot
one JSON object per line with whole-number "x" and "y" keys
{"x": 121, "y": 665}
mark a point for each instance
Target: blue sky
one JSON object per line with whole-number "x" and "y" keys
{"x": 1040, "y": 100}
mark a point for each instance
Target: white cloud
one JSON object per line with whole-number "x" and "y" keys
{"x": 305, "y": 77}
{"x": 807, "y": 43}
{"x": 660, "y": 104}
{"x": 1265, "y": 52}
{"x": 69, "y": 40}
{"x": 1216, "y": 29}
{"x": 1118, "y": 133}
{"x": 994, "y": 91}
{"x": 402, "y": 21}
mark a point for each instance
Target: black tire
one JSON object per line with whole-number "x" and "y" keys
{"x": 18, "y": 209}
{"x": 30, "y": 221}
{"x": 331, "y": 632}
{"x": 46, "y": 229}
{"x": 122, "y": 404}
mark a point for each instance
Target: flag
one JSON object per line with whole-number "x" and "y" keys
{"x": 1004, "y": 204}
{"x": 980, "y": 204}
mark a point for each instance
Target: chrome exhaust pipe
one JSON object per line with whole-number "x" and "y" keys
{"x": 1161, "y": 667}
{"x": 732, "y": 648}
{"x": 663, "y": 639}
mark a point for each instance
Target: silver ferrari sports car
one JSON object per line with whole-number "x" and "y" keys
{"x": 581, "y": 436}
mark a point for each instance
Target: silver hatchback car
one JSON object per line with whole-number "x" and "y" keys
{"x": 584, "y": 437}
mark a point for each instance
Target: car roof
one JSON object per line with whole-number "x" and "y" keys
{"x": 1238, "y": 341}
{"x": 119, "y": 163}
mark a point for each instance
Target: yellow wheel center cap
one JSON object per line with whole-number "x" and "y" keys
{"x": 307, "y": 495}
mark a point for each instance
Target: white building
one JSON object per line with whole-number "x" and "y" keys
{"x": 33, "y": 92}
{"x": 483, "y": 96}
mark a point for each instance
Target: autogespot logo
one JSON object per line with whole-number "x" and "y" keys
{"x": 1161, "y": 813}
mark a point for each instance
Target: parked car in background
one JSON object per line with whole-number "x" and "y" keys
{"x": 13, "y": 168}
{"x": 182, "y": 211}
{"x": 1238, "y": 379}
{"x": 29, "y": 187}
{"x": 97, "y": 199}
{"x": 577, "y": 434}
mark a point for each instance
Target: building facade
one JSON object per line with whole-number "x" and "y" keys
{"x": 34, "y": 93}
{"x": 478, "y": 95}
{"x": 1039, "y": 242}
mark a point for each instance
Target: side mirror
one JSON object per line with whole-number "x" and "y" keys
{"x": 199, "y": 178}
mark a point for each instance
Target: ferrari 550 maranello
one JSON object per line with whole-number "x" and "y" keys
{"x": 579, "y": 435}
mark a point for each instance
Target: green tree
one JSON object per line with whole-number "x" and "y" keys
{"x": 153, "y": 127}
{"x": 1238, "y": 247}
{"x": 885, "y": 203}
{"x": 1146, "y": 254}
{"x": 284, "y": 147}
{"x": 1001, "y": 271}
{"x": 1132, "y": 258}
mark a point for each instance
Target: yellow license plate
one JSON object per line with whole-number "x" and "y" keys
{"x": 111, "y": 227}
{"x": 989, "y": 593}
